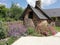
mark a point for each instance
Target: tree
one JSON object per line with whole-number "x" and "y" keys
{"x": 12, "y": 13}
{"x": 3, "y": 11}
{"x": 16, "y": 11}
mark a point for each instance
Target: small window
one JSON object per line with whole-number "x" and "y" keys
{"x": 30, "y": 15}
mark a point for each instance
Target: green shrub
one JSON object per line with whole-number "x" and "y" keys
{"x": 8, "y": 19}
{"x": 30, "y": 31}
{"x": 2, "y": 34}
{"x": 2, "y": 31}
{"x": 11, "y": 40}
{"x": 2, "y": 19}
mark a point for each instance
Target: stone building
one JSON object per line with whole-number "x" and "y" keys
{"x": 54, "y": 14}
{"x": 39, "y": 18}
{"x": 32, "y": 16}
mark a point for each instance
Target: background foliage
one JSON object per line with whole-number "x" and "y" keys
{"x": 12, "y": 13}
{"x": 8, "y": 30}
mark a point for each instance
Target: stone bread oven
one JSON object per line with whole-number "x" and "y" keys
{"x": 33, "y": 16}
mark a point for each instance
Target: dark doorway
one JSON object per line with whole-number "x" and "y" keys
{"x": 30, "y": 15}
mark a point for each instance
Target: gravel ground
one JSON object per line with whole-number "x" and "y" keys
{"x": 32, "y": 40}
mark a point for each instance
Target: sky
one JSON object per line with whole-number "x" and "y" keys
{"x": 45, "y": 4}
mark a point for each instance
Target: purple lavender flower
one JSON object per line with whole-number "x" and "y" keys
{"x": 16, "y": 29}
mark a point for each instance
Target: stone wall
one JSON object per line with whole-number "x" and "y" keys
{"x": 57, "y": 23}
{"x": 27, "y": 21}
{"x": 37, "y": 20}
{"x": 34, "y": 22}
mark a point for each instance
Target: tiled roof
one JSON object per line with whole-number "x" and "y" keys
{"x": 38, "y": 13}
{"x": 42, "y": 14}
{"x": 53, "y": 12}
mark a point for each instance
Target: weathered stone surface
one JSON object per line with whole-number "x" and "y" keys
{"x": 40, "y": 25}
{"x": 42, "y": 28}
{"x": 29, "y": 23}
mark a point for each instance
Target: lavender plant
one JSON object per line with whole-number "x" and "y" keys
{"x": 16, "y": 29}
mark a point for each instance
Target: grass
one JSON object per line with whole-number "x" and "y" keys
{"x": 57, "y": 28}
{"x": 10, "y": 41}
{"x": 2, "y": 42}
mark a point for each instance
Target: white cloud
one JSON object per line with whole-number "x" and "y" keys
{"x": 3, "y": 4}
{"x": 48, "y": 2}
{"x": 18, "y": 4}
{"x": 31, "y": 2}
{"x": 44, "y": 2}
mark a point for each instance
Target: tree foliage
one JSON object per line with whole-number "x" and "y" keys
{"x": 3, "y": 11}
{"x": 14, "y": 12}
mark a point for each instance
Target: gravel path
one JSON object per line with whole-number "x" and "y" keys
{"x": 31, "y": 40}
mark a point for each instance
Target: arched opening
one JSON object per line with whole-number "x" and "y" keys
{"x": 30, "y": 15}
